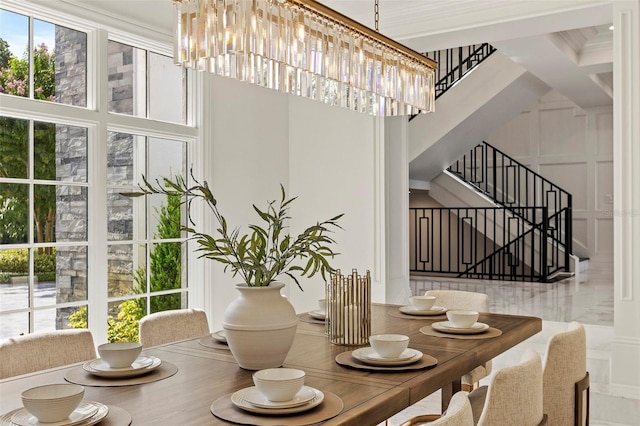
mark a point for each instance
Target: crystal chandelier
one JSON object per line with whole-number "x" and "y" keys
{"x": 306, "y": 49}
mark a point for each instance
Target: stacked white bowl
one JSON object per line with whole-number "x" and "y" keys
{"x": 52, "y": 403}
{"x": 389, "y": 345}
{"x": 120, "y": 354}
{"x": 279, "y": 384}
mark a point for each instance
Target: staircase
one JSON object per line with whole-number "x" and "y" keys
{"x": 520, "y": 227}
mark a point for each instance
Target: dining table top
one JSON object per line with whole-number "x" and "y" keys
{"x": 208, "y": 373}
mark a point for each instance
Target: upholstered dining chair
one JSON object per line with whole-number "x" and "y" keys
{"x": 565, "y": 378}
{"x": 458, "y": 414}
{"x": 468, "y": 301}
{"x": 44, "y": 350}
{"x": 513, "y": 396}
{"x": 168, "y": 326}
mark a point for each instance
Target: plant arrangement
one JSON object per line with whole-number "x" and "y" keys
{"x": 266, "y": 252}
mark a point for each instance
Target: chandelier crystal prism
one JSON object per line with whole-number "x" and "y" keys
{"x": 304, "y": 48}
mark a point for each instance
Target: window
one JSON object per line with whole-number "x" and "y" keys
{"x": 56, "y": 233}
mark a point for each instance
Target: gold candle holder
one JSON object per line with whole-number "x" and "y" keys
{"x": 348, "y": 320}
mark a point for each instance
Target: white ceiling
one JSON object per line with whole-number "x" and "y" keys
{"x": 565, "y": 43}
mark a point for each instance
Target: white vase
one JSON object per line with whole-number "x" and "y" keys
{"x": 260, "y": 326}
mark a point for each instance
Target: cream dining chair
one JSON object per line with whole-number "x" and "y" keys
{"x": 565, "y": 378}
{"x": 458, "y": 414}
{"x": 513, "y": 396}
{"x": 41, "y": 351}
{"x": 471, "y": 301}
{"x": 169, "y": 326}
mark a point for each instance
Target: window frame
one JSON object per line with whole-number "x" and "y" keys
{"x": 99, "y": 122}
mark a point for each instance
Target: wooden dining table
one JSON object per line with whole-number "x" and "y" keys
{"x": 206, "y": 374}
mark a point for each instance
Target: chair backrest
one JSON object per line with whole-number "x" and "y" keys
{"x": 41, "y": 351}
{"x": 514, "y": 395}
{"x": 169, "y": 326}
{"x": 458, "y": 299}
{"x": 565, "y": 364}
{"x": 458, "y": 412}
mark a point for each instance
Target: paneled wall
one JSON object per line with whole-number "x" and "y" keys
{"x": 573, "y": 148}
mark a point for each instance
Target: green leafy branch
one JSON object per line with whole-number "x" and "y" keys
{"x": 265, "y": 253}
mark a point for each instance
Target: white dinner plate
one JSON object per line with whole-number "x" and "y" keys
{"x": 319, "y": 315}
{"x": 369, "y": 356}
{"x": 447, "y": 327}
{"x": 140, "y": 362}
{"x": 88, "y": 413}
{"x": 435, "y": 310}
{"x": 257, "y": 398}
{"x": 237, "y": 398}
{"x": 220, "y": 336}
{"x": 100, "y": 371}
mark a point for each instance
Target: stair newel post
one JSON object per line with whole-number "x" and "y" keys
{"x": 568, "y": 233}
{"x": 544, "y": 270}
{"x": 495, "y": 173}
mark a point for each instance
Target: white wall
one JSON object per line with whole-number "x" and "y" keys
{"x": 573, "y": 148}
{"x": 324, "y": 155}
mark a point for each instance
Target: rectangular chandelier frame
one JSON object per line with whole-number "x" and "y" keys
{"x": 307, "y": 49}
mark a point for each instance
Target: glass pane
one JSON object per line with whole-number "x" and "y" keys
{"x": 70, "y": 273}
{"x": 126, "y": 270}
{"x": 167, "y": 158}
{"x": 45, "y": 320}
{"x": 71, "y": 213}
{"x": 120, "y": 216}
{"x": 14, "y": 213}
{"x": 62, "y": 77}
{"x": 77, "y": 317}
{"x": 165, "y": 265}
{"x": 14, "y": 279}
{"x": 44, "y": 213}
{"x": 44, "y": 151}
{"x": 122, "y": 149}
{"x": 14, "y": 54}
{"x": 13, "y": 325}
{"x": 167, "y": 302}
{"x": 14, "y": 148}
{"x": 166, "y": 81}
{"x": 123, "y": 319}
{"x": 70, "y": 153}
{"x": 44, "y": 290}
{"x": 127, "y": 79}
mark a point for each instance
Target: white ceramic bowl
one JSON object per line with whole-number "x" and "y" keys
{"x": 322, "y": 304}
{"x": 279, "y": 384}
{"x": 422, "y": 303}
{"x": 462, "y": 319}
{"x": 389, "y": 345}
{"x": 52, "y": 403}
{"x": 120, "y": 354}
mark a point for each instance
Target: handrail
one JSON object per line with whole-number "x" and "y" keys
{"x": 455, "y": 63}
{"x": 512, "y": 185}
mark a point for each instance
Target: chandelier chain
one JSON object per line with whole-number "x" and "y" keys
{"x": 376, "y": 12}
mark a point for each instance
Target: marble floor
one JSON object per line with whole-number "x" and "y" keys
{"x": 587, "y": 299}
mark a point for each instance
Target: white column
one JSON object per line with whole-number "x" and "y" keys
{"x": 625, "y": 349}
{"x": 397, "y": 289}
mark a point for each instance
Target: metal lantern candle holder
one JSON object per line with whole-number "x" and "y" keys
{"x": 348, "y": 318}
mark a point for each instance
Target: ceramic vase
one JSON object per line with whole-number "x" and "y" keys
{"x": 260, "y": 325}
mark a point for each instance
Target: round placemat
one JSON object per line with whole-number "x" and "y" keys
{"x": 116, "y": 417}
{"x": 210, "y": 342}
{"x": 331, "y": 406}
{"x": 490, "y": 333}
{"x": 311, "y": 320}
{"x": 399, "y": 314}
{"x": 78, "y": 376}
{"x": 347, "y": 360}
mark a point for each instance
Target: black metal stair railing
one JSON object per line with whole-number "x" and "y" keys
{"x": 455, "y": 63}
{"x": 513, "y": 185}
{"x": 489, "y": 243}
